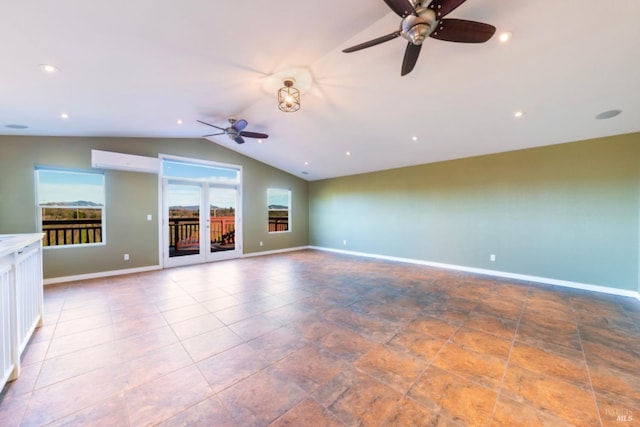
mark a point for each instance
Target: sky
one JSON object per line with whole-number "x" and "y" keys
{"x": 200, "y": 172}
{"x": 65, "y": 186}
{"x": 62, "y": 186}
{"x": 189, "y": 195}
{"x": 278, "y": 196}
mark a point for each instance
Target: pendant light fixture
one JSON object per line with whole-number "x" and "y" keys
{"x": 289, "y": 96}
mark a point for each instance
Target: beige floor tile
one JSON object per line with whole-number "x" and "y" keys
{"x": 205, "y": 345}
{"x": 307, "y": 414}
{"x": 482, "y": 342}
{"x": 261, "y": 398}
{"x": 563, "y": 363}
{"x": 310, "y": 367}
{"x": 316, "y": 338}
{"x": 564, "y": 399}
{"x": 478, "y": 367}
{"x": 358, "y": 399}
{"x": 166, "y": 396}
{"x": 456, "y": 398}
{"x": 231, "y": 366}
{"x": 395, "y": 368}
{"x": 209, "y": 412}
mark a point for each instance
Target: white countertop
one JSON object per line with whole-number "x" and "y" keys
{"x": 10, "y": 243}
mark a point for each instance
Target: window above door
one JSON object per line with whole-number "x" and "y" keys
{"x": 200, "y": 172}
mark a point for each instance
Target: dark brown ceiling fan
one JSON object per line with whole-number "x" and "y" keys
{"x": 236, "y": 131}
{"x": 420, "y": 21}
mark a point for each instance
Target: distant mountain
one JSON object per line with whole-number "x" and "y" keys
{"x": 76, "y": 203}
{"x": 186, "y": 208}
{"x": 278, "y": 207}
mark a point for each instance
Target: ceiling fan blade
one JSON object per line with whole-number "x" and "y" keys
{"x": 254, "y": 135}
{"x": 239, "y": 139}
{"x": 401, "y": 7}
{"x": 373, "y": 42}
{"x": 208, "y": 124}
{"x": 213, "y": 134}
{"x": 240, "y": 124}
{"x": 444, "y": 7}
{"x": 463, "y": 31}
{"x": 410, "y": 58}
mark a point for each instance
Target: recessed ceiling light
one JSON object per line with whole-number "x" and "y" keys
{"x": 179, "y": 121}
{"x": 48, "y": 68}
{"x": 259, "y": 141}
{"x": 518, "y": 114}
{"x": 608, "y": 114}
{"x": 64, "y": 116}
{"x": 306, "y": 163}
{"x": 14, "y": 126}
{"x": 414, "y": 138}
{"x": 348, "y": 153}
{"x": 505, "y": 36}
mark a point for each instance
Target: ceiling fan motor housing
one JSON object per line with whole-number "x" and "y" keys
{"x": 417, "y": 28}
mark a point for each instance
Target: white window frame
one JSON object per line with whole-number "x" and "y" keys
{"x": 70, "y": 205}
{"x": 288, "y": 210}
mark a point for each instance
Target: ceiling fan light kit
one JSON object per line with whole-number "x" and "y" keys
{"x": 289, "y": 96}
{"x": 420, "y": 21}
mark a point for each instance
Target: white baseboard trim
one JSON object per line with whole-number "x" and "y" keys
{"x": 99, "y": 275}
{"x": 495, "y": 273}
{"x": 276, "y": 251}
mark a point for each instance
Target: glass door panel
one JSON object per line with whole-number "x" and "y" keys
{"x": 184, "y": 225}
{"x": 222, "y": 214}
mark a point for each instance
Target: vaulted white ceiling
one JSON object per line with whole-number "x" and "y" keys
{"x": 134, "y": 68}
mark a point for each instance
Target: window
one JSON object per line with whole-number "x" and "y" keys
{"x": 70, "y": 207}
{"x": 279, "y": 207}
{"x": 229, "y": 176}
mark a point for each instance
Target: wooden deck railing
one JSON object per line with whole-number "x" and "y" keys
{"x": 83, "y": 231}
{"x": 60, "y": 232}
{"x": 278, "y": 223}
{"x": 185, "y": 232}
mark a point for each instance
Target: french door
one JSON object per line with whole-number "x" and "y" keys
{"x": 200, "y": 219}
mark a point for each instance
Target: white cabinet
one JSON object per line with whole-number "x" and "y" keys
{"x": 21, "y": 298}
{"x": 6, "y": 290}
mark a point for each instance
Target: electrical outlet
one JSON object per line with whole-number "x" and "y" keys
{"x": 149, "y": 217}
{"x": 261, "y": 243}
{"x": 126, "y": 257}
{"x": 492, "y": 257}
{"x": 344, "y": 242}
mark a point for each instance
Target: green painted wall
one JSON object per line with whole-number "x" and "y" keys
{"x": 566, "y": 212}
{"x": 131, "y": 196}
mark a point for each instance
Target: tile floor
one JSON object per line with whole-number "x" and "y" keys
{"x": 319, "y": 339}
